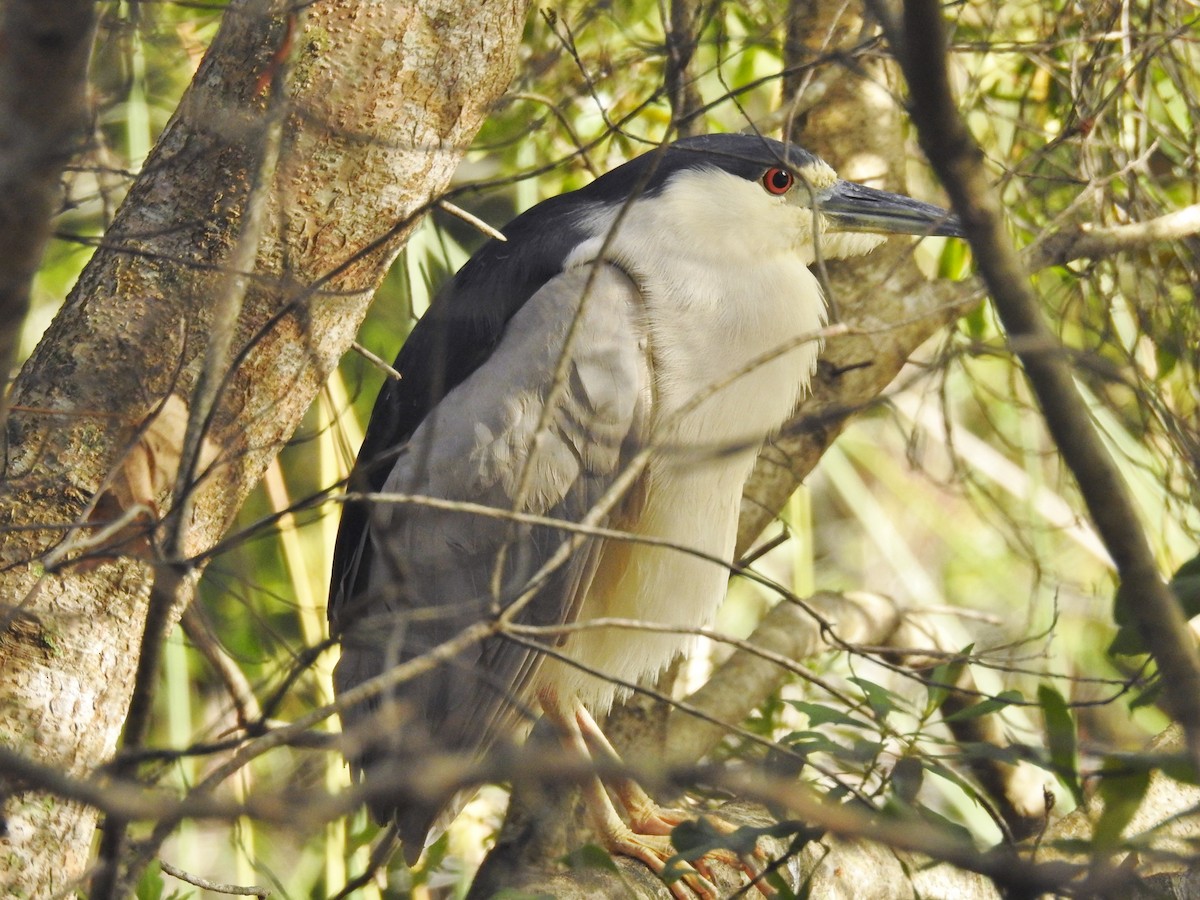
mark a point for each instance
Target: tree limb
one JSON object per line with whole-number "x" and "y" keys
{"x": 1087, "y": 242}
{"x": 373, "y": 134}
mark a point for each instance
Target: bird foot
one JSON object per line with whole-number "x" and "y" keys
{"x": 647, "y": 818}
{"x": 647, "y": 839}
{"x": 654, "y": 851}
{"x": 645, "y": 833}
{"x": 753, "y": 864}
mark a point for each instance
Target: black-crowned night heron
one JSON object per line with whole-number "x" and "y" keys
{"x": 617, "y": 362}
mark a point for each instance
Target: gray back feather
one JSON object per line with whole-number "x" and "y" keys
{"x": 432, "y": 570}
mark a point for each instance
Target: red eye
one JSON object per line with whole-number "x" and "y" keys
{"x": 778, "y": 181}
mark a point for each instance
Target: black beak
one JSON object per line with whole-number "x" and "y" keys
{"x": 856, "y": 207}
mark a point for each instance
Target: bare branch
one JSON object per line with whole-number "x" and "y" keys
{"x": 1088, "y": 242}
{"x": 471, "y": 219}
{"x": 218, "y": 887}
{"x": 746, "y": 679}
{"x": 376, "y": 360}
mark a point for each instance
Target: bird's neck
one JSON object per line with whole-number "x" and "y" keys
{"x": 734, "y": 350}
{"x": 734, "y": 337}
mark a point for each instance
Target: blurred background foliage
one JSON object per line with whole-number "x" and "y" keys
{"x": 950, "y": 497}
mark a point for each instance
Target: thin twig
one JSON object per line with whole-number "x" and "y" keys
{"x": 459, "y": 213}
{"x": 199, "y": 631}
{"x": 380, "y": 854}
{"x": 377, "y": 361}
{"x": 249, "y": 890}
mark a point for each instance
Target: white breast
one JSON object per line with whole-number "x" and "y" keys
{"x": 710, "y": 327}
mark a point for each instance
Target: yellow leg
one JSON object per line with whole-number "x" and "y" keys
{"x": 653, "y": 848}
{"x": 646, "y": 837}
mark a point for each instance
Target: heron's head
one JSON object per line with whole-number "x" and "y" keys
{"x": 725, "y": 196}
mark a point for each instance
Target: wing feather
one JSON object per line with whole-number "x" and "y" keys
{"x": 430, "y": 573}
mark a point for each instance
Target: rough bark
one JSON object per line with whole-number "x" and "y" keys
{"x": 382, "y": 102}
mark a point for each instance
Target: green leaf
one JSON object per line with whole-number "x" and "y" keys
{"x": 1013, "y": 754}
{"x": 880, "y": 699}
{"x": 1127, "y": 642}
{"x": 1179, "y": 768}
{"x": 1061, "y": 739}
{"x": 862, "y": 751}
{"x": 976, "y": 321}
{"x": 946, "y": 772}
{"x": 1122, "y": 788}
{"x": 827, "y": 715}
{"x": 1165, "y": 361}
{"x": 907, "y": 777}
{"x": 150, "y": 885}
{"x": 1190, "y": 569}
{"x": 1147, "y": 697}
{"x": 694, "y": 838}
{"x": 838, "y": 793}
{"x": 434, "y": 856}
{"x": 783, "y": 890}
{"x": 986, "y": 707}
{"x": 953, "y": 830}
{"x": 942, "y": 680}
{"x": 1185, "y": 584}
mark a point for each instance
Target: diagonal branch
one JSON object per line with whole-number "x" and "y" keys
{"x": 1085, "y": 242}
{"x": 958, "y": 161}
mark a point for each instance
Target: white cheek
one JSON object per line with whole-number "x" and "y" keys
{"x": 840, "y": 245}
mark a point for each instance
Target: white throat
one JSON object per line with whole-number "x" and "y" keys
{"x": 742, "y": 327}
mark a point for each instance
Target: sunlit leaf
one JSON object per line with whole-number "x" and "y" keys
{"x": 986, "y": 707}
{"x": 1061, "y": 738}
{"x": 1122, "y": 788}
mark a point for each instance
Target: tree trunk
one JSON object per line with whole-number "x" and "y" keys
{"x": 382, "y": 101}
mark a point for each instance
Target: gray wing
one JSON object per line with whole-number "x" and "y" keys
{"x": 432, "y": 571}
